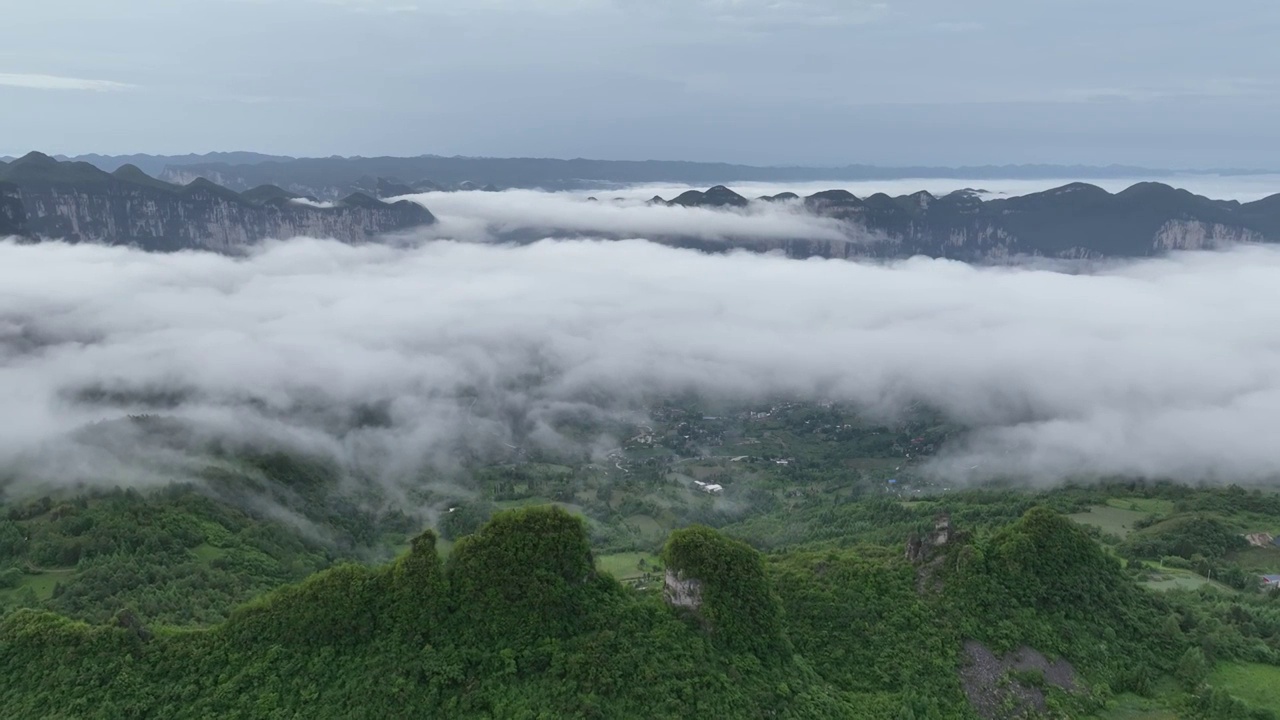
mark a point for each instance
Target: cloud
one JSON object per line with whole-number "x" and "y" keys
{"x": 55, "y": 82}
{"x": 313, "y": 203}
{"x": 796, "y": 12}
{"x": 396, "y": 357}
{"x": 531, "y": 214}
{"x": 389, "y": 7}
{"x": 957, "y": 26}
{"x": 374, "y": 6}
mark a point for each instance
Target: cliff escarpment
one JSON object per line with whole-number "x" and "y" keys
{"x": 1074, "y": 221}
{"x": 41, "y": 198}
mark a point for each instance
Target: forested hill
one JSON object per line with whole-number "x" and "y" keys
{"x": 518, "y": 623}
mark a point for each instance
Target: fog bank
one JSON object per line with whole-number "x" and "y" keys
{"x": 532, "y": 215}
{"x": 396, "y": 357}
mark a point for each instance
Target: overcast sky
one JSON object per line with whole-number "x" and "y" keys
{"x": 1181, "y": 83}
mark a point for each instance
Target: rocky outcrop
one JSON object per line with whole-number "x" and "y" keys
{"x": 1076, "y": 222}
{"x": 997, "y": 686}
{"x": 12, "y": 215}
{"x": 79, "y": 203}
{"x": 682, "y": 592}
{"x": 1197, "y": 235}
{"x": 923, "y": 548}
{"x": 721, "y": 583}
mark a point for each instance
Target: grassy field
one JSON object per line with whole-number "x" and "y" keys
{"x": 1146, "y": 506}
{"x": 1134, "y": 707}
{"x": 1179, "y": 579}
{"x": 1263, "y": 561}
{"x": 1109, "y": 519}
{"x": 625, "y": 566}
{"x": 1258, "y": 685}
{"x": 42, "y": 584}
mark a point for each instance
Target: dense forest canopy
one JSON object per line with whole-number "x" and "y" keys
{"x": 827, "y": 576}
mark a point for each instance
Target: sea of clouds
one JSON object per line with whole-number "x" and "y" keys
{"x": 1158, "y": 368}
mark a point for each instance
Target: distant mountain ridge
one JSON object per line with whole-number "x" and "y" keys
{"x": 1074, "y": 221}
{"x": 334, "y": 177}
{"x": 43, "y": 198}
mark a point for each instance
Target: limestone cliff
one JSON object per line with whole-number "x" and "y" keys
{"x": 12, "y": 216}
{"x": 47, "y": 199}
{"x": 1076, "y": 221}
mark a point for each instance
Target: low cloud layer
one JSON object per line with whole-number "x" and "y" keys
{"x": 392, "y": 357}
{"x": 527, "y": 215}
{"x": 532, "y": 214}
{"x": 58, "y": 82}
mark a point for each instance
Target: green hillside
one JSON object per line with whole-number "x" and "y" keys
{"x": 518, "y": 623}
{"x": 828, "y": 578}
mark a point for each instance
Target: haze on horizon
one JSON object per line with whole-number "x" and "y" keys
{"x": 1175, "y": 84}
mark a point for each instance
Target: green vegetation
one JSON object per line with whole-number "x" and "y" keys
{"x": 1256, "y": 684}
{"x": 519, "y": 623}
{"x": 183, "y": 554}
{"x": 580, "y": 587}
{"x": 1111, "y": 519}
{"x": 629, "y": 566}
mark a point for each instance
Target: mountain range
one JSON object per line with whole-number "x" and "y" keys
{"x": 43, "y": 198}
{"x": 1074, "y": 221}
{"x": 335, "y": 177}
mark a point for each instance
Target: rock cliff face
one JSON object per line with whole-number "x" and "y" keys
{"x": 1075, "y": 221}
{"x": 682, "y": 592}
{"x": 12, "y": 215}
{"x": 41, "y": 198}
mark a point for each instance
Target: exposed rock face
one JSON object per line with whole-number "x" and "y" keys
{"x": 995, "y": 695}
{"x": 682, "y": 592}
{"x": 12, "y": 216}
{"x": 1260, "y": 539}
{"x": 1076, "y": 221}
{"x": 1197, "y": 235}
{"x": 922, "y": 549}
{"x": 79, "y": 203}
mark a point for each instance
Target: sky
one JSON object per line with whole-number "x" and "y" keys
{"x": 1160, "y": 83}
{"x": 1160, "y": 367}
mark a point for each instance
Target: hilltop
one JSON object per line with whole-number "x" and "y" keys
{"x": 1074, "y": 221}
{"x": 332, "y": 177}
{"x": 41, "y": 197}
{"x": 810, "y": 588}
{"x": 517, "y": 622}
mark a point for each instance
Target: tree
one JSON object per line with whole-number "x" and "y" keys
{"x": 1193, "y": 669}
